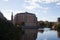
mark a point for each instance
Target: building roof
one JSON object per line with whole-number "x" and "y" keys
{"x": 25, "y": 13}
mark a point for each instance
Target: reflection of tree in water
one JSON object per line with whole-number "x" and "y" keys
{"x": 41, "y": 31}
{"x": 58, "y": 33}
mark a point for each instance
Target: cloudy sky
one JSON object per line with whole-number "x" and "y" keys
{"x": 44, "y": 9}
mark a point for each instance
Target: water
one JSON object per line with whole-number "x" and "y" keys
{"x": 47, "y": 34}
{"x": 41, "y": 34}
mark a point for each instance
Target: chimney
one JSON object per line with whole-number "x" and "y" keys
{"x": 12, "y": 17}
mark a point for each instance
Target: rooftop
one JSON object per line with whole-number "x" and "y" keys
{"x": 26, "y": 13}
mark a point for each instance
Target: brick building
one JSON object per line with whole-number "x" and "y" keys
{"x": 28, "y": 19}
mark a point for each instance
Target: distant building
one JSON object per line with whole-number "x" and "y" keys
{"x": 58, "y": 19}
{"x": 28, "y": 19}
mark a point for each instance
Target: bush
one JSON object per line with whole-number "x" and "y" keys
{"x": 8, "y": 31}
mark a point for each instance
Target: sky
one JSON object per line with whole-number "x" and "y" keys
{"x": 46, "y": 10}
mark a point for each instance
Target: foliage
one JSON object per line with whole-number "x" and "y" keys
{"x": 57, "y": 26}
{"x": 8, "y": 31}
{"x": 41, "y": 23}
{"x": 46, "y": 24}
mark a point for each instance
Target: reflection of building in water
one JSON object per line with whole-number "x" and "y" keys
{"x": 28, "y": 19}
{"x": 58, "y": 33}
{"x": 30, "y": 34}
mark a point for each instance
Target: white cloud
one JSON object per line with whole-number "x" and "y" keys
{"x": 32, "y": 5}
{"x": 43, "y": 1}
{"x": 49, "y": 1}
{"x": 58, "y": 3}
{"x": 6, "y": 0}
{"x": 31, "y": 0}
{"x": 45, "y": 11}
{"x": 29, "y": 7}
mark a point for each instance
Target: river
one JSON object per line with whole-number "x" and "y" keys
{"x": 47, "y": 34}
{"x": 41, "y": 34}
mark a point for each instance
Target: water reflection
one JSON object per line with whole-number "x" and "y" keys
{"x": 30, "y": 34}
{"x": 41, "y": 31}
{"x": 34, "y": 34}
{"x": 48, "y": 35}
{"x": 58, "y": 33}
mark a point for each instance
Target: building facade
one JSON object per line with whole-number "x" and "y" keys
{"x": 28, "y": 19}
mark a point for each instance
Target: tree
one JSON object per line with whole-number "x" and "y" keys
{"x": 8, "y": 31}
